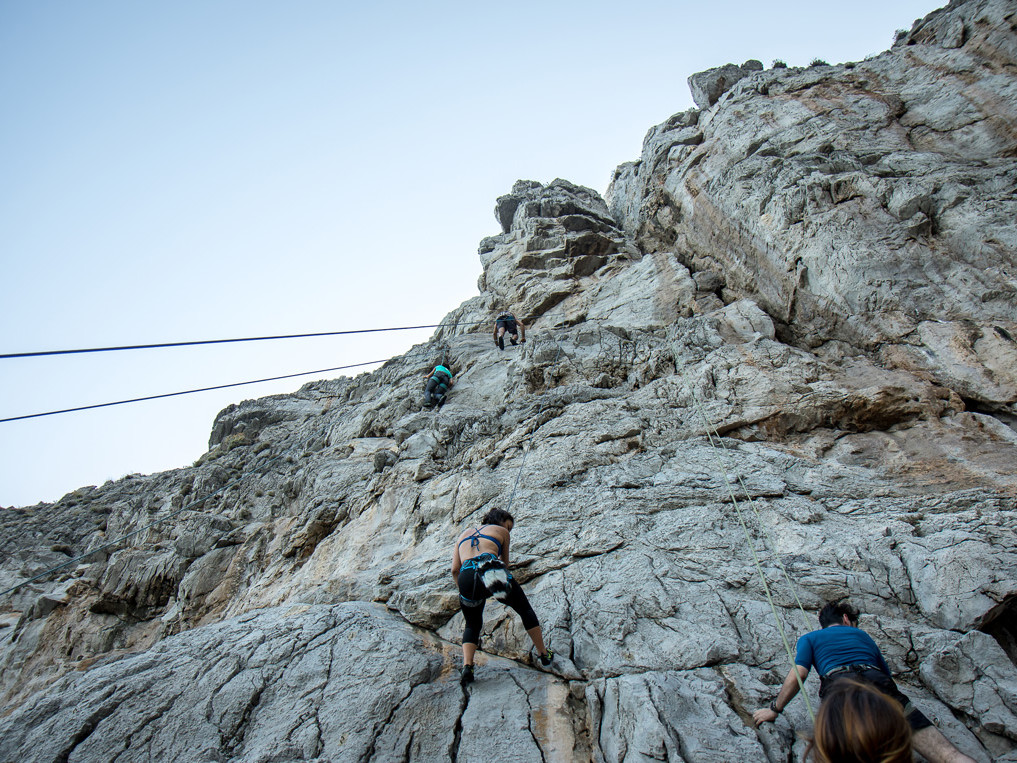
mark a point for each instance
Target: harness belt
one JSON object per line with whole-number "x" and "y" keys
{"x": 859, "y": 667}
{"x": 473, "y": 562}
{"x": 476, "y": 563}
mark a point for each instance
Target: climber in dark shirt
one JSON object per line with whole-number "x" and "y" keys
{"x": 841, "y": 650}
{"x": 438, "y": 385}
{"x": 508, "y": 323}
{"x": 480, "y": 570}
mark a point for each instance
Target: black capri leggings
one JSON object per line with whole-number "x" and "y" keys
{"x": 471, "y": 587}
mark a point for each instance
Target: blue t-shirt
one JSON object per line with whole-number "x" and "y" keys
{"x": 838, "y": 645}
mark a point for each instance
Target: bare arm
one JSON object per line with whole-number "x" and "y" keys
{"x": 522, "y": 330}
{"x": 457, "y": 564}
{"x": 505, "y": 549}
{"x": 795, "y": 677}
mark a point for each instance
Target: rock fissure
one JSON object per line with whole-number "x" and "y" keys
{"x": 529, "y": 717}
{"x": 87, "y": 728}
{"x": 144, "y": 722}
{"x": 457, "y": 736}
{"x": 235, "y": 741}
{"x": 380, "y": 727}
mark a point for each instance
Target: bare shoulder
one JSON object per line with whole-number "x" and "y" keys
{"x": 499, "y": 532}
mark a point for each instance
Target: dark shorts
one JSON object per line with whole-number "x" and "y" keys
{"x": 916, "y": 718}
{"x": 509, "y": 326}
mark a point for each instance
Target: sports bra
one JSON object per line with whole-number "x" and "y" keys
{"x": 475, "y": 539}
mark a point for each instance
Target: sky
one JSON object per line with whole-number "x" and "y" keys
{"x": 186, "y": 170}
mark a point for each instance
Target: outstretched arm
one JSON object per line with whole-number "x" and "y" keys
{"x": 522, "y": 330}
{"x": 795, "y": 677}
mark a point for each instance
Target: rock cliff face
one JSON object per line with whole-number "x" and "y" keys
{"x": 786, "y": 335}
{"x": 866, "y": 208}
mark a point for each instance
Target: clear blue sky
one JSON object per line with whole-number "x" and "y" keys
{"x": 200, "y": 170}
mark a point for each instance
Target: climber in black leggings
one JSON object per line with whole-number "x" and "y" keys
{"x": 481, "y": 571}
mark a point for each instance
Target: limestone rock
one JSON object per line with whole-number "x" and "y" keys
{"x": 707, "y": 87}
{"x": 556, "y": 239}
{"x": 280, "y": 686}
{"x": 972, "y": 675}
{"x": 868, "y": 204}
{"x": 778, "y": 362}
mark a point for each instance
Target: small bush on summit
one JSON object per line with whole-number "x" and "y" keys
{"x": 778, "y": 64}
{"x": 818, "y": 62}
{"x": 899, "y": 35}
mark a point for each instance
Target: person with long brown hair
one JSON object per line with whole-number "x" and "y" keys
{"x": 857, "y": 723}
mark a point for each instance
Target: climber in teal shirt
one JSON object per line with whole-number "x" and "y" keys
{"x": 438, "y": 385}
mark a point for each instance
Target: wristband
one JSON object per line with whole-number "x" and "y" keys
{"x": 773, "y": 707}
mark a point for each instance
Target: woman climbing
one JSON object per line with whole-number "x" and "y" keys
{"x": 480, "y": 569}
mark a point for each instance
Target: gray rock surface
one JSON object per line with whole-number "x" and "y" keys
{"x": 707, "y": 87}
{"x": 713, "y": 375}
{"x": 345, "y": 683}
{"x": 866, "y": 205}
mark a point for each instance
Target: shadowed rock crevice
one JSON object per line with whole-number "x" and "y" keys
{"x": 87, "y": 728}
{"x": 1001, "y": 623}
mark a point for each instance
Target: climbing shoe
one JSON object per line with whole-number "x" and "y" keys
{"x": 545, "y": 659}
{"x": 467, "y": 676}
{"x": 501, "y": 343}
{"x": 513, "y": 340}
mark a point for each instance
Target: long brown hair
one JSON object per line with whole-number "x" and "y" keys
{"x": 857, "y": 723}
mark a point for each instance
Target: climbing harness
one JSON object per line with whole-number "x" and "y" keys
{"x": 491, "y": 572}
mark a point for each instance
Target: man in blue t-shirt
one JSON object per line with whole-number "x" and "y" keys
{"x": 840, "y": 650}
